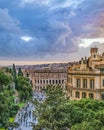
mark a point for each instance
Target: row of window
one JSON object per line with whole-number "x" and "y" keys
{"x": 53, "y": 75}
{"x": 85, "y": 84}
{"x": 84, "y": 95}
{"x": 39, "y": 87}
{"x": 49, "y": 81}
{"x": 78, "y": 83}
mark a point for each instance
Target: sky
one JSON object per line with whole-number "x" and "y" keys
{"x": 42, "y": 31}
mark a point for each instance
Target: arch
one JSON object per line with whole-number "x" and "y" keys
{"x": 77, "y": 94}
{"x": 91, "y": 95}
{"x": 83, "y": 94}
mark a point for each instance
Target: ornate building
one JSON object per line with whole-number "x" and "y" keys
{"x": 41, "y": 78}
{"x": 86, "y": 79}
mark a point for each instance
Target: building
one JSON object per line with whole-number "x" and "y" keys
{"x": 86, "y": 79}
{"x": 43, "y": 77}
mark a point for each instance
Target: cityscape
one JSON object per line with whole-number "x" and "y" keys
{"x": 51, "y": 65}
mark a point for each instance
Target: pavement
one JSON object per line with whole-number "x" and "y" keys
{"x": 25, "y": 116}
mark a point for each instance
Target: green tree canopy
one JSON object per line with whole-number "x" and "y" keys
{"x": 5, "y": 80}
{"x": 24, "y": 88}
{"x": 57, "y": 112}
{"x": 52, "y": 113}
{"x": 20, "y": 73}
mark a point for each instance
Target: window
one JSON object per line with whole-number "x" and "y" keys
{"x": 62, "y": 81}
{"x": 77, "y": 94}
{"x": 38, "y": 81}
{"x": 56, "y": 81}
{"x": 46, "y": 81}
{"x": 50, "y": 81}
{"x": 43, "y": 81}
{"x": 70, "y": 80}
{"x": 84, "y": 83}
{"x": 59, "y": 81}
{"x": 53, "y": 81}
{"x": 78, "y": 83}
{"x": 91, "y": 95}
{"x": 94, "y": 56}
{"x": 102, "y": 96}
{"x": 103, "y": 83}
{"x": 92, "y": 84}
{"x": 83, "y": 95}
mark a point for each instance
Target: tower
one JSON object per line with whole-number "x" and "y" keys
{"x": 94, "y": 53}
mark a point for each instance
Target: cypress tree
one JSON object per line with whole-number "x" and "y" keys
{"x": 20, "y": 73}
{"x": 14, "y": 76}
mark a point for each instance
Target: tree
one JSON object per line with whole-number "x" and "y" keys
{"x": 92, "y": 125}
{"x": 100, "y": 116}
{"x": 7, "y": 107}
{"x": 6, "y": 101}
{"x": 14, "y": 76}
{"x": 57, "y": 112}
{"x": 4, "y": 81}
{"x": 20, "y": 73}
{"x": 11, "y": 125}
{"x": 76, "y": 127}
{"x": 24, "y": 88}
{"x": 52, "y": 113}
{"x": 92, "y": 115}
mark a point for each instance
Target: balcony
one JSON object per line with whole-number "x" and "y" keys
{"x": 83, "y": 72}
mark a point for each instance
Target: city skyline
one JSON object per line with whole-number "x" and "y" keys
{"x": 49, "y": 31}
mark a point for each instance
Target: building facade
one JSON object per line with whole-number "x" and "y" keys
{"x": 43, "y": 77}
{"x": 86, "y": 79}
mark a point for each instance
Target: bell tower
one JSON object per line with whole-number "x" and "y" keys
{"x": 94, "y": 53}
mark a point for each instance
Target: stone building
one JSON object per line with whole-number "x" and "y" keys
{"x": 86, "y": 79}
{"x": 42, "y": 77}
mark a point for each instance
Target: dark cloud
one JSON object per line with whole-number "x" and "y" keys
{"x": 55, "y": 26}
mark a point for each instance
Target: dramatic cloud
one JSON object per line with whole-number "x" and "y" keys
{"x": 7, "y": 23}
{"x": 52, "y": 29}
{"x": 53, "y": 4}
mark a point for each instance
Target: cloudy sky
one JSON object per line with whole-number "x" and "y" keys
{"x": 41, "y": 31}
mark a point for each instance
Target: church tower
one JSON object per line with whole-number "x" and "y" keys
{"x": 94, "y": 53}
